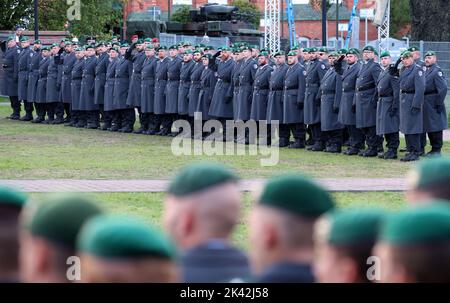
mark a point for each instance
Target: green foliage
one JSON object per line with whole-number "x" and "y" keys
{"x": 181, "y": 14}
{"x": 14, "y": 12}
{"x": 249, "y": 10}
{"x": 400, "y": 16}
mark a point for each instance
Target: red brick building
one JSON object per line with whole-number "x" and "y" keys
{"x": 308, "y": 21}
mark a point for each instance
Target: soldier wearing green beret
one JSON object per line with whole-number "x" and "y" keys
{"x": 414, "y": 245}
{"x": 201, "y": 210}
{"x": 11, "y": 204}
{"x": 415, "y": 52}
{"x": 24, "y": 60}
{"x": 323, "y": 54}
{"x": 429, "y": 179}
{"x": 48, "y": 237}
{"x": 343, "y": 242}
{"x": 9, "y": 85}
{"x": 185, "y": 84}
{"x": 33, "y": 75}
{"x": 255, "y": 52}
{"x": 124, "y": 250}
{"x": 281, "y": 229}
{"x": 173, "y": 83}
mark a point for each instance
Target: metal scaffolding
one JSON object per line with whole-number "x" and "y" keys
{"x": 272, "y": 25}
{"x": 383, "y": 30}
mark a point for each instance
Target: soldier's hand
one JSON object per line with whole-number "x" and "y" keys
{"x": 353, "y": 108}
{"x": 341, "y": 58}
{"x": 335, "y": 109}
{"x": 415, "y": 110}
{"x": 393, "y": 112}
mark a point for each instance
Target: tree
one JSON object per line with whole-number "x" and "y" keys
{"x": 14, "y": 12}
{"x": 248, "y": 10}
{"x": 430, "y": 20}
{"x": 181, "y": 14}
{"x": 400, "y": 16}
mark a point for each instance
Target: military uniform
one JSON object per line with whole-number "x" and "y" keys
{"x": 388, "y": 120}
{"x": 194, "y": 88}
{"x": 24, "y": 58}
{"x": 78, "y": 119}
{"x": 99, "y": 90}
{"x": 207, "y": 83}
{"x": 160, "y": 96}
{"x": 246, "y": 79}
{"x": 134, "y": 93}
{"x": 148, "y": 95}
{"x": 10, "y": 77}
{"x": 33, "y": 75}
{"x": 125, "y": 114}
{"x": 412, "y": 89}
{"x": 366, "y": 106}
{"x": 108, "y": 105}
{"x": 87, "y": 101}
{"x": 68, "y": 63}
{"x": 331, "y": 95}
{"x": 236, "y": 85}
{"x": 41, "y": 99}
{"x": 434, "y": 111}
{"x": 173, "y": 83}
{"x": 53, "y": 89}
{"x": 293, "y": 103}
{"x": 314, "y": 74}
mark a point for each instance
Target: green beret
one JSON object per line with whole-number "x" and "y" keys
{"x": 149, "y": 47}
{"x": 342, "y": 51}
{"x": 354, "y": 226}
{"x": 173, "y": 47}
{"x": 413, "y": 49}
{"x": 188, "y": 52}
{"x": 255, "y": 47}
{"x": 24, "y": 39}
{"x": 295, "y": 48}
{"x": 162, "y": 48}
{"x": 61, "y": 219}
{"x": 243, "y": 48}
{"x": 197, "y": 51}
{"x": 333, "y": 54}
{"x": 89, "y": 47}
{"x": 114, "y": 48}
{"x": 209, "y": 47}
{"x": 197, "y": 177}
{"x": 54, "y": 45}
{"x": 385, "y": 54}
{"x": 280, "y": 53}
{"x": 264, "y": 54}
{"x": 306, "y": 50}
{"x": 121, "y": 237}
{"x": 187, "y": 43}
{"x": 148, "y": 40}
{"x": 236, "y": 51}
{"x": 406, "y": 54}
{"x": 296, "y": 194}
{"x": 10, "y": 38}
{"x": 419, "y": 225}
{"x": 312, "y": 50}
{"x": 140, "y": 41}
{"x": 46, "y": 48}
{"x": 10, "y": 196}
{"x": 124, "y": 45}
{"x": 353, "y": 51}
{"x": 369, "y": 48}
{"x": 323, "y": 49}
{"x": 376, "y": 53}
{"x": 428, "y": 173}
{"x": 226, "y": 49}
{"x": 292, "y": 54}
{"x": 37, "y": 42}
{"x": 430, "y": 54}
{"x": 208, "y": 56}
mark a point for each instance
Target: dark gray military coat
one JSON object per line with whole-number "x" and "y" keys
{"x": 160, "y": 86}
{"x": 388, "y": 95}
{"x": 314, "y": 74}
{"x": 412, "y": 89}
{"x": 148, "y": 85}
{"x": 110, "y": 75}
{"x": 294, "y": 94}
{"x": 208, "y": 83}
{"x": 42, "y": 82}
{"x": 183, "y": 89}
{"x": 365, "y": 96}
{"x": 194, "y": 89}
{"x": 275, "y": 103}
{"x": 66, "y": 87}
{"x": 173, "y": 83}
{"x": 434, "y": 111}
{"x": 222, "y": 101}
{"x": 124, "y": 69}
{"x": 346, "y": 114}
{"x": 33, "y": 75}
{"x": 100, "y": 78}
{"x": 10, "y": 72}
{"x": 76, "y": 77}
{"x": 331, "y": 95}
{"x": 246, "y": 79}
{"x": 87, "y": 101}
{"x": 236, "y": 84}
{"x": 261, "y": 93}
{"x": 24, "y": 59}
{"x": 134, "y": 93}
{"x": 53, "y": 85}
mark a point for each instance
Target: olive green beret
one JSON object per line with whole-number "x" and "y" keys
{"x": 280, "y": 53}
{"x": 353, "y": 51}
{"x": 296, "y": 194}
{"x": 46, "y": 48}
{"x": 430, "y": 53}
{"x": 413, "y": 49}
{"x": 208, "y": 56}
{"x": 369, "y": 48}
{"x": 10, "y": 196}
{"x": 385, "y": 54}
{"x": 187, "y": 43}
{"x": 243, "y": 48}
{"x": 90, "y": 47}
{"x": 226, "y": 49}
{"x": 295, "y": 48}
{"x": 209, "y": 47}
{"x": 80, "y": 49}
{"x": 10, "y": 38}
{"x": 188, "y": 52}
{"x": 149, "y": 47}
{"x": 54, "y": 45}
{"x": 197, "y": 51}
{"x": 162, "y": 48}
{"x": 323, "y": 49}
{"x": 306, "y": 50}
{"x": 173, "y": 47}
{"x": 342, "y": 51}
{"x": 236, "y": 50}
{"x": 24, "y": 39}
{"x": 60, "y": 220}
{"x": 263, "y": 54}
{"x": 200, "y": 176}
{"x": 255, "y": 47}
{"x": 100, "y": 44}
{"x": 122, "y": 237}
{"x": 419, "y": 225}
{"x": 292, "y": 53}
{"x": 313, "y": 50}
{"x": 406, "y": 54}
{"x": 148, "y": 40}
{"x": 430, "y": 173}
{"x": 37, "y": 42}
{"x": 333, "y": 54}
{"x": 354, "y": 226}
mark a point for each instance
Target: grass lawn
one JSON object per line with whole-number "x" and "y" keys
{"x": 30, "y": 151}
{"x": 148, "y": 206}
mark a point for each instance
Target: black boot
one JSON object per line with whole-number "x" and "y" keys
{"x": 433, "y": 153}
{"x": 39, "y": 119}
{"x": 318, "y": 146}
{"x": 283, "y": 142}
{"x": 351, "y": 151}
{"x": 369, "y": 153}
{"x": 413, "y": 156}
{"x": 334, "y": 149}
{"x": 390, "y": 155}
{"x": 28, "y": 117}
{"x": 298, "y": 144}
{"x": 126, "y": 129}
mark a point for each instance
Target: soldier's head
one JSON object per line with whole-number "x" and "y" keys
{"x": 414, "y": 245}
{"x": 429, "y": 180}
{"x": 415, "y": 52}
{"x": 79, "y": 53}
{"x": 246, "y": 52}
{"x": 351, "y": 56}
{"x": 162, "y": 52}
{"x": 173, "y": 51}
{"x": 197, "y": 55}
{"x": 90, "y": 51}
{"x": 209, "y": 50}
{"x": 125, "y": 250}
{"x": 187, "y": 56}
{"x": 306, "y": 55}
{"x": 386, "y": 59}
{"x": 11, "y": 203}
{"x": 225, "y": 53}
{"x": 69, "y": 47}
{"x": 407, "y": 58}
{"x": 263, "y": 58}
{"x": 313, "y": 53}
{"x": 113, "y": 52}
{"x": 332, "y": 57}
{"x": 279, "y": 57}
{"x": 202, "y": 203}
{"x": 46, "y": 51}
{"x": 343, "y": 242}
{"x": 134, "y": 38}
{"x": 323, "y": 53}
{"x": 54, "y": 49}
{"x": 205, "y": 59}
{"x": 11, "y": 42}
{"x": 237, "y": 54}
{"x": 181, "y": 48}
{"x": 37, "y": 45}
{"x": 140, "y": 45}
{"x": 368, "y": 53}
{"x": 430, "y": 58}
{"x": 292, "y": 57}
{"x": 24, "y": 41}
{"x": 297, "y": 50}
{"x": 149, "y": 51}
{"x": 48, "y": 236}
{"x": 100, "y": 48}
{"x": 282, "y": 221}
{"x": 255, "y": 51}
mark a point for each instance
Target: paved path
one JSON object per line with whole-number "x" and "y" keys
{"x": 336, "y": 185}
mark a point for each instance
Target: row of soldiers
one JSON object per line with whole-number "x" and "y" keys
{"x": 340, "y": 98}
{"x": 296, "y": 235}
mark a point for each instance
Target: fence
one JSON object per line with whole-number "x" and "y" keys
{"x": 171, "y": 39}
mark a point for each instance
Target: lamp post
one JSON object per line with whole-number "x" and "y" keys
{"x": 324, "y": 22}
{"x": 36, "y": 21}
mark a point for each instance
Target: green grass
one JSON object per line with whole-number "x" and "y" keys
{"x": 149, "y": 206}
{"x": 30, "y": 151}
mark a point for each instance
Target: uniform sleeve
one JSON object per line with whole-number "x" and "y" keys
{"x": 419, "y": 83}
{"x": 16, "y": 66}
{"x": 338, "y": 91}
{"x": 253, "y": 70}
{"x": 376, "y": 70}
{"x": 396, "y": 92}
{"x": 441, "y": 86}
{"x": 301, "y": 86}
{"x": 212, "y": 84}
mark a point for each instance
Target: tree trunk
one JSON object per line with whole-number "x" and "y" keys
{"x": 430, "y": 20}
